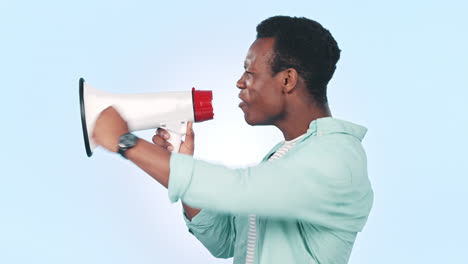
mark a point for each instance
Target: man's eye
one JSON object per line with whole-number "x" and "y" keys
{"x": 250, "y": 73}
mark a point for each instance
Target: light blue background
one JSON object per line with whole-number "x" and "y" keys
{"x": 403, "y": 74}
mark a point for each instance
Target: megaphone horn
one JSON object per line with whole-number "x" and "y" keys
{"x": 168, "y": 110}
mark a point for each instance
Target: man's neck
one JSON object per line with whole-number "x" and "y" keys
{"x": 298, "y": 120}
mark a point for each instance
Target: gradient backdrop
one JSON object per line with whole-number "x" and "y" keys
{"x": 403, "y": 74}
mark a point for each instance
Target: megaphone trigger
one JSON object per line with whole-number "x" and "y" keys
{"x": 176, "y": 130}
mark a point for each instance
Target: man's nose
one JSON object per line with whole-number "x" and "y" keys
{"x": 241, "y": 83}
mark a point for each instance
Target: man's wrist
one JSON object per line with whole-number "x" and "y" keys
{"x": 126, "y": 142}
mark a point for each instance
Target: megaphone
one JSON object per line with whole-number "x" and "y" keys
{"x": 168, "y": 110}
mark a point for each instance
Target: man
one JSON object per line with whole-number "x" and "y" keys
{"x": 309, "y": 197}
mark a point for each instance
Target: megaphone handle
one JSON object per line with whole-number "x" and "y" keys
{"x": 175, "y": 139}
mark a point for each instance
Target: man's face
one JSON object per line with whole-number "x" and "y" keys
{"x": 261, "y": 93}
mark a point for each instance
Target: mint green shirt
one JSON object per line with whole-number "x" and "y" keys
{"x": 310, "y": 203}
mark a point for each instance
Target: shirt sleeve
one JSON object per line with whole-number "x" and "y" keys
{"x": 325, "y": 184}
{"x": 215, "y": 231}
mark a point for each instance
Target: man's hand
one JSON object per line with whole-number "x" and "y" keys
{"x": 108, "y": 129}
{"x": 186, "y": 147}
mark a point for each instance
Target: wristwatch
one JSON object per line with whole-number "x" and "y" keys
{"x": 126, "y": 142}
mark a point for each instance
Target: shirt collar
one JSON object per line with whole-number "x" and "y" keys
{"x": 324, "y": 126}
{"x": 329, "y": 125}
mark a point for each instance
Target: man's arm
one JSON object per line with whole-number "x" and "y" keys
{"x": 216, "y": 231}
{"x": 152, "y": 158}
{"x": 320, "y": 187}
{"x": 190, "y": 212}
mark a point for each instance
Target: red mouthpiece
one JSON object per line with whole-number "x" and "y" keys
{"x": 202, "y": 106}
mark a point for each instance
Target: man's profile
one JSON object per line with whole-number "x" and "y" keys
{"x": 309, "y": 197}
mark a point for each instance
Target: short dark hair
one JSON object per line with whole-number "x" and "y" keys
{"x": 306, "y": 46}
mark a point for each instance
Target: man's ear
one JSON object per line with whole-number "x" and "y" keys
{"x": 289, "y": 78}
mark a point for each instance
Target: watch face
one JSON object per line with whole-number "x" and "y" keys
{"x": 127, "y": 141}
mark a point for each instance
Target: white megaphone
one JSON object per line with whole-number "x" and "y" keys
{"x": 168, "y": 110}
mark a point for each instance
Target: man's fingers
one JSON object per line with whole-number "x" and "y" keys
{"x": 158, "y": 140}
{"x": 163, "y": 133}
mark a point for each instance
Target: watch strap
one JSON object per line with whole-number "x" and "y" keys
{"x": 122, "y": 152}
